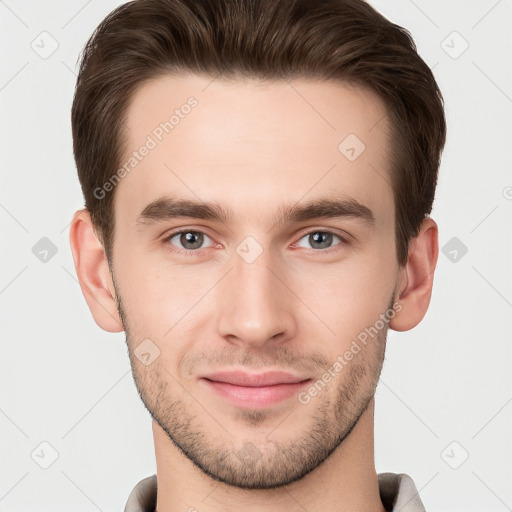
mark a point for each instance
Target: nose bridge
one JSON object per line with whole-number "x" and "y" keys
{"x": 254, "y": 304}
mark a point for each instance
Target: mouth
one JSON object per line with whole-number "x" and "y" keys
{"x": 255, "y": 391}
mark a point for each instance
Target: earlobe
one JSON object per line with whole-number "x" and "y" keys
{"x": 416, "y": 278}
{"x": 93, "y": 273}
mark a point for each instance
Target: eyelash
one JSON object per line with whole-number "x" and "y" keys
{"x": 193, "y": 252}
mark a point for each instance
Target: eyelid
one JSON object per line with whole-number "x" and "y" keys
{"x": 325, "y": 229}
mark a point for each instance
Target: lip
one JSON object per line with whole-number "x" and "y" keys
{"x": 239, "y": 378}
{"x": 255, "y": 391}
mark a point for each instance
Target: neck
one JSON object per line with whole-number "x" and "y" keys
{"x": 345, "y": 481}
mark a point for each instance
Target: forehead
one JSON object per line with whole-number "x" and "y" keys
{"x": 253, "y": 144}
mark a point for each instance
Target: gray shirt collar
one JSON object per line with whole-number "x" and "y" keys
{"x": 397, "y": 492}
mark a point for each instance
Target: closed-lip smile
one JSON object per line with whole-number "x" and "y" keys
{"x": 254, "y": 391}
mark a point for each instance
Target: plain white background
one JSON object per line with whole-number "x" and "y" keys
{"x": 444, "y": 403}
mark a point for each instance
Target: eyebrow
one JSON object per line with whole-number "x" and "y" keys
{"x": 167, "y": 207}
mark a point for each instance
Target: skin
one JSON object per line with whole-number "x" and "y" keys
{"x": 254, "y": 147}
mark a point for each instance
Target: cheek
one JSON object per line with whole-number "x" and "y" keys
{"x": 163, "y": 299}
{"x": 345, "y": 296}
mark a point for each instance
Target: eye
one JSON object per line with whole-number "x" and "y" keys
{"x": 188, "y": 240}
{"x": 320, "y": 240}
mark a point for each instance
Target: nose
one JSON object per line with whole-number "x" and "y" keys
{"x": 254, "y": 304}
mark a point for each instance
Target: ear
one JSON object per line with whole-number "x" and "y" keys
{"x": 93, "y": 273}
{"x": 416, "y": 278}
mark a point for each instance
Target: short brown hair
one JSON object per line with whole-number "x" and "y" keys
{"x": 343, "y": 40}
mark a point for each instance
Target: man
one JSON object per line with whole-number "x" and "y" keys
{"x": 257, "y": 179}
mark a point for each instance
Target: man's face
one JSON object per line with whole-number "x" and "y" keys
{"x": 264, "y": 289}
